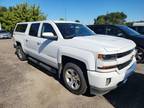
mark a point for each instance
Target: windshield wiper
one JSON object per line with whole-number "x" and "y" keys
{"x": 70, "y": 36}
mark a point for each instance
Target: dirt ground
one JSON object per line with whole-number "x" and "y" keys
{"x": 24, "y": 85}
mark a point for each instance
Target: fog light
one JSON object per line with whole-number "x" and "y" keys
{"x": 108, "y": 81}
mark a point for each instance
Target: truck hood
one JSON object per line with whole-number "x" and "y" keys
{"x": 102, "y": 43}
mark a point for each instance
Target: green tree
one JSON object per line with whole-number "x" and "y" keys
{"x": 20, "y": 13}
{"x": 100, "y": 20}
{"x": 111, "y": 18}
{"x": 3, "y": 9}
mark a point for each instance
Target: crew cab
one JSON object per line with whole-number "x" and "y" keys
{"x": 83, "y": 59}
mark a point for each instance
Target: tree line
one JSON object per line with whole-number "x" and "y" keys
{"x": 25, "y": 12}
{"x": 19, "y": 13}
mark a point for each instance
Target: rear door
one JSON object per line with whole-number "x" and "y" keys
{"x": 114, "y": 31}
{"x": 32, "y": 40}
{"x": 100, "y": 29}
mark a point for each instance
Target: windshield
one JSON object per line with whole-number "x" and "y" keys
{"x": 70, "y": 30}
{"x": 129, "y": 31}
{"x": 3, "y": 31}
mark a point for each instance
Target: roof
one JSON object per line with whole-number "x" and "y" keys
{"x": 117, "y": 25}
{"x": 48, "y": 21}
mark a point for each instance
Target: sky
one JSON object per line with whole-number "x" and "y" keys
{"x": 84, "y": 10}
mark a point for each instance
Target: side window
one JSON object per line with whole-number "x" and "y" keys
{"x": 114, "y": 31}
{"x": 141, "y": 29}
{"x": 135, "y": 28}
{"x": 34, "y": 29}
{"x": 47, "y": 28}
{"x": 100, "y": 30}
{"x": 21, "y": 28}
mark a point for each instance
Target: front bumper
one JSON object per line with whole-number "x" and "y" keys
{"x": 101, "y": 83}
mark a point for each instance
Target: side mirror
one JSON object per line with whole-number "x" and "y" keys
{"x": 49, "y": 35}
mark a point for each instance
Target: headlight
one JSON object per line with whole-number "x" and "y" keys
{"x": 108, "y": 67}
{"x": 107, "y": 57}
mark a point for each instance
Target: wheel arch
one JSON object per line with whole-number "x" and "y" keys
{"x": 18, "y": 43}
{"x": 81, "y": 64}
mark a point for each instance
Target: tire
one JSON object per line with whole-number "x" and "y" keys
{"x": 20, "y": 54}
{"x": 140, "y": 55}
{"x": 74, "y": 79}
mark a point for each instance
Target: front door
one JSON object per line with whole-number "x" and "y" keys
{"x": 48, "y": 47}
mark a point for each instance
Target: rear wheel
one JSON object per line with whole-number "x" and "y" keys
{"x": 74, "y": 79}
{"x": 21, "y": 55}
{"x": 140, "y": 55}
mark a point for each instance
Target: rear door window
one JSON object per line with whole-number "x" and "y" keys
{"x": 100, "y": 29}
{"x": 114, "y": 31}
{"x": 140, "y": 29}
{"x": 34, "y": 29}
{"x": 21, "y": 28}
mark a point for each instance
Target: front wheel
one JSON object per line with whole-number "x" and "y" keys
{"x": 140, "y": 55}
{"x": 74, "y": 79}
{"x": 21, "y": 55}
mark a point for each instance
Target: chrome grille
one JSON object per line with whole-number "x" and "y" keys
{"x": 121, "y": 66}
{"x": 119, "y": 55}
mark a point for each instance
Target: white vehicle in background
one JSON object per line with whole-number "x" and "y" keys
{"x": 138, "y": 24}
{"x": 139, "y": 27}
{"x": 83, "y": 59}
{"x": 5, "y": 35}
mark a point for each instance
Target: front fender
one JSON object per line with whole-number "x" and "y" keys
{"x": 86, "y": 57}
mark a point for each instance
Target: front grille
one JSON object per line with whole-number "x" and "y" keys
{"x": 119, "y": 55}
{"x": 121, "y": 66}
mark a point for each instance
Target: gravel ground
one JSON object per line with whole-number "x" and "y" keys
{"x": 24, "y": 85}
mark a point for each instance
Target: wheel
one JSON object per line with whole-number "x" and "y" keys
{"x": 74, "y": 79}
{"x": 21, "y": 55}
{"x": 140, "y": 55}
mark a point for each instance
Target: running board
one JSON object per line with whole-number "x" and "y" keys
{"x": 49, "y": 68}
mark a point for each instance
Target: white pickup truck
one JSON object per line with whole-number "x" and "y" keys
{"x": 83, "y": 60}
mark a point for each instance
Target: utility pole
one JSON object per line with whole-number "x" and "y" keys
{"x": 65, "y": 14}
{"x": 107, "y": 18}
{"x": 0, "y": 26}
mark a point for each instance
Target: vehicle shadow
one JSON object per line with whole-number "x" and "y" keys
{"x": 130, "y": 95}
{"x": 55, "y": 76}
{"x": 47, "y": 72}
{"x": 42, "y": 69}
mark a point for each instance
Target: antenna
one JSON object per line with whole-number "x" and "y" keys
{"x": 65, "y": 13}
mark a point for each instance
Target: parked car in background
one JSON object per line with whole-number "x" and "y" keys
{"x": 125, "y": 32}
{"x": 83, "y": 59}
{"x": 139, "y": 27}
{"x": 5, "y": 35}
